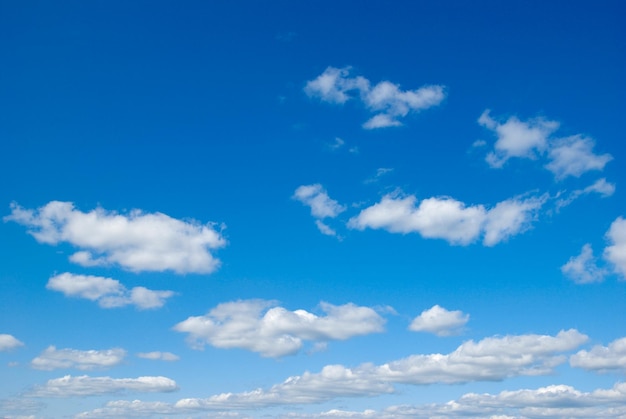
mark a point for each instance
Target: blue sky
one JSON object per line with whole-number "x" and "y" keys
{"x": 312, "y": 209}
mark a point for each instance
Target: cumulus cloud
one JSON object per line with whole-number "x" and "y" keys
{"x": 135, "y": 241}
{"x": 449, "y": 219}
{"x": 568, "y": 156}
{"x": 387, "y": 100}
{"x": 583, "y": 269}
{"x": 439, "y": 321}
{"x": 573, "y": 156}
{"x": 159, "y": 356}
{"x": 8, "y": 342}
{"x": 273, "y": 331}
{"x": 108, "y": 292}
{"x": 83, "y": 386}
{"x": 615, "y": 252}
{"x": 52, "y": 358}
{"x": 316, "y": 197}
{"x": 602, "y": 358}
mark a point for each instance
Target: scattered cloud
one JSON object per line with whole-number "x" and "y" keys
{"x": 439, "y": 321}
{"x": 573, "y": 156}
{"x": 616, "y": 251}
{"x": 83, "y": 386}
{"x": 600, "y": 186}
{"x": 337, "y": 143}
{"x": 449, "y": 219}
{"x": 159, "y": 356}
{"x": 325, "y": 229}
{"x": 583, "y": 269}
{"x": 136, "y": 241}
{"x": 273, "y": 331}
{"x": 52, "y": 359}
{"x": 600, "y": 358}
{"x": 8, "y": 342}
{"x": 387, "y": 100}
{"x": 316, "y": 197}
{"x": 108, "y": 292}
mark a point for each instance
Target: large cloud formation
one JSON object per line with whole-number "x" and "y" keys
{"x": 136, "y": 241}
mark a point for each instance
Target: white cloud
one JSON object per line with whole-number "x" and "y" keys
{"x": 600, "y": 186}
{"x": 325, "y": 229}
{"x": 273, "y": 331}
{"x": 159, "y": 356}
{"x": 386, "y": 99}
{"x": 449, "y": 219}
{"x": 573, "y": 156}
{"x": 583, "y": 269}
{"x": 516, "y": 138}
{"x": 602, "y": 358}
{"x": 108, "y": 292}
{"x": 316, "y": 197}
{"x": 439, "y": 321}
{"x": 83, "y": 386}
{"x": 137, "y": 241}
{"x": 338, "y": 143}
{"x": 52, "y": 358}
{"x": 8, "y": 342}
{"x": 616, "y": 251}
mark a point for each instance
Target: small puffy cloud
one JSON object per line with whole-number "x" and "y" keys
{"x": 449, "y": 219}
{"x": 316, "y": 197}
{"x": 387, "y": 100}
{"x": 615, "y": 252}
{"x": 517, "y": 138}
{"x": 439, "y": 321}
{"x": 583, "y": 269}
{"x": 8, "y": 342}
{"x": 159, "y": 356}
{"x": 52, "y": 359}
{"x": 573, "y": 156}
{"x": 325, "y": 229}
{"x": 84, "y": 386}
{"x": 108, "y": 292}
{"x": 602, "y": 358}
{"x": 136, "y": 241}
{"x": 273, "y": 331}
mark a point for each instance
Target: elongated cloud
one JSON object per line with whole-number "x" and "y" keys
{"x": 273, "y": 331}
{"x": 136, "y": 241}
{"x": 387, "y": 100}
{"x": 159, "y": 356}
{"x": 8, "y": 342}
{"x": 108, "y": 292}
{"x": 439, "y": 321}
{"x": 449, "y": 219}
{"x": 83, "y": 386}
{"x": 52, "y": 358}
{"x": 600, "y": 358}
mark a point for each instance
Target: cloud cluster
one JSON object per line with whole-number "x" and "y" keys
{"x": 439, "y": 321}
{"x": 602, "y": 358}
{"x": 52, "y": 359}
{"x": 136, "y": 241}
{"x": 322, "y": 206}
{"x": 449, "y": 219}
{"x": 83, "y": 386}
{"x": 569, "y": 156}
{"x": 387, "y": 100}
{"x": 108, "y": 292}
{"x": 273, "y": 331}
{"x": 8, "y": 342}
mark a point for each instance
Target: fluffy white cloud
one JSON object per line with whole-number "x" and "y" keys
{"x": 325, "y": 228}
{"x": 386, "y": 99}
{"x": 616, "y": 251}
{"x": 8, "y": 342}
{"x": 52, "y": 358}
{"x": 573, "y": 156}
{"x": 82, "y": 386}
{"x": 273, "y": 331}
{"x": 602, "y": 358}
{"x": 517, "y": 138}
{"x": 316, "y": 197}
{"x": 583, "y": 269}
{"x": 136, "y": 241}
{"x": 159, "y": 356}
{"x": 439, "y": 321}
{"x": 449, "y": 219}
{"x": 551, "y": 402}
{"x": 108, "y": 292}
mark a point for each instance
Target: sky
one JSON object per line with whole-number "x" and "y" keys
{"x": 289, "y": 209}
